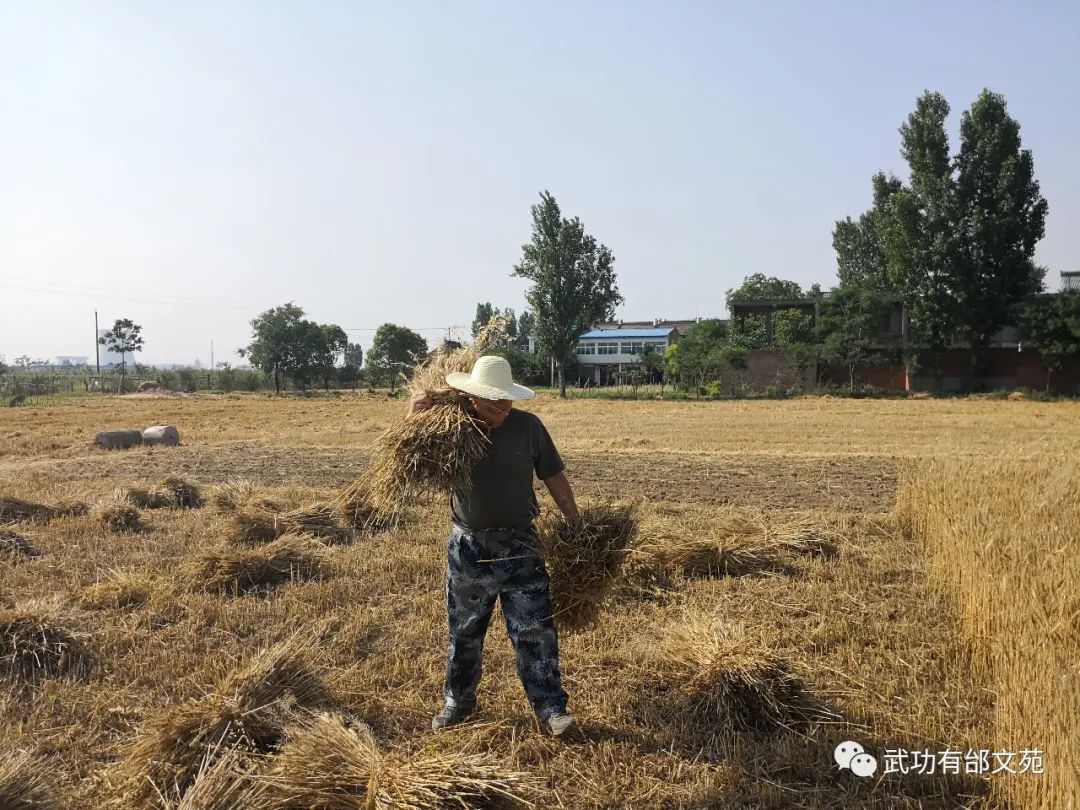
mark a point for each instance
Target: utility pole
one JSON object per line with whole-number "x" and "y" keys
{"x": 97, "y": 350}
{"x": 210, "y": 374}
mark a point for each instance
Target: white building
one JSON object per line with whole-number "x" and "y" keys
{"x": 604, "y": 353}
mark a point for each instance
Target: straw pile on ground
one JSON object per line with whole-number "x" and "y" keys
{"x": 36, "y": 645}
{"x": 16, "y": 547}
{"x": 225, "y": 781}
{"x": 330, "y": 762}
{"x": 16, "y": 510}
{"x": 584, "y": 558}
{"x": 122, "y": 590}
{"x": 246, "y": 714}
{"x": 433, "y": 451}
{"x": 25, "y": 781}
{"x": 715, "y": 676}
{"x": 169, "y": 493}
{"x": 244, "y": 570}
{"x": 240, "y": 493}
{"x": 118, "y": 516}
{"x": 681, "y": 541}
{"x": 251, "y": 524}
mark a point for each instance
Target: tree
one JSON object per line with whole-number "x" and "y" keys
{"x": 860, "y": 255}
{"x": 23, "y": 362}
{"x": 850, "y": 323}
{"x": 702, "y": 353}
{"x": 394, "y": 349}
{"x": 525, "y": 324}
{"x": 484, "y": 313}
{"x": 273, "y": 341}
{"x": 226, "y": 376}
{"x": 958, "y": 240}
{"x": 1001, "y": 217}
{"x": 124, "y": 338}
{"x": 758, "y": 286}
{"x": 573, "y": 282}
{"x": 327, "y": 342}
{"x": 354, "y": 356}
{"x": 1050, "y": 324}
{"x": 652, "y": 362}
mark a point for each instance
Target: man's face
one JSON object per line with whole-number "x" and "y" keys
{"x": 492, "y": 412}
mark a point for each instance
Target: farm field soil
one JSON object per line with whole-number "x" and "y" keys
{"x": 868, "y": 634}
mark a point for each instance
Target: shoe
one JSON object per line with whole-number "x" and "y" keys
{"x": 449, "y": 716}
{"x": 560, "y": 724}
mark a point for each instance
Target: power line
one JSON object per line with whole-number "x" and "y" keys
{"x": 115, "y": 296}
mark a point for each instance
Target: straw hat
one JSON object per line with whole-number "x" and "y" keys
{"x": 490, "y": 379}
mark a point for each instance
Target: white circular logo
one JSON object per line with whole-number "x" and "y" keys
{"x": 845, "y": 752}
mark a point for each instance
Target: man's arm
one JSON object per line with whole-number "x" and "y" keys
{"x": 559, "y": 487}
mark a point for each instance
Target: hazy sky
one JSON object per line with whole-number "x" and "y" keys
{"x": 189, "y": 165}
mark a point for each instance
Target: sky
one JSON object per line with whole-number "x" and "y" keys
{"x": 190, "y": 165}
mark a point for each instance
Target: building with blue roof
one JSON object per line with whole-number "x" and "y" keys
{"x": 605, "y": 353}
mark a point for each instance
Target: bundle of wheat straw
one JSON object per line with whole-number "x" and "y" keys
{"x": 357, "y": 509}
{"x": 123, "y": 589}
{"x": 35, "y": 644}
{"x": 328, "y": 761}
{"x": 239, "y": 493}
{"x": 251, "y": 524}
{"x": 723, "y": 679}
{"x": 26, "y": 782}
{"x": 16, "y": 510}
{"x": 247, "y": 713}
{"x": 433, "y": 451}
{"x": 118, "y": 516}
{"x": 225, "y": 781}
{"x": 584, "y": 558}
{"x": 243, "y": 570}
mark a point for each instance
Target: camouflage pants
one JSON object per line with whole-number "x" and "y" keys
{"x": 483, "y": 567}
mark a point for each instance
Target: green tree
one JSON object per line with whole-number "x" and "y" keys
{"x": 850, "y": 324}
{"x": 273, "y": 347}
{"x": 758, "y": 286}
{"x": 226, "y": 376}
{"x": 525, "y": 324}
{"x": 484, "y": 313}
{"x": 124, "y": 338}
{"x": 958, "y": 241}
{"x": 1050, "y": 324}
{"x": 1001, "y": 217}
{"x": 860, "y": 255}
{"x": 652, "y": 362}
{"x": 573, "y": 282}
{"x": 354, "y": 356}
{"x": 394, "y": 350}
{"x": 703, "y": 353}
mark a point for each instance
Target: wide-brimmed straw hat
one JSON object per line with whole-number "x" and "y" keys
{"x": 490, "y": 379}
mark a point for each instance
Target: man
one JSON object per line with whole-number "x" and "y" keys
{"x": 492, "y": 551}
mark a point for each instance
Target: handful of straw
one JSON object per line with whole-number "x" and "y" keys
{"x": 433, "y": 451}
{"x": 584, "y": 559}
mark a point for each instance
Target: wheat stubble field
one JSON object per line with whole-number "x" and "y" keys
{"x": 906, "y": 568}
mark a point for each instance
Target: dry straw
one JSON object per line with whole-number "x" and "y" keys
{"x": 716, "y": 677}
{"x": 16, "y": 547}
{"x": 16, "y": 510}
{"x": 240, "y": 493}
{"x": 225, "y": 781}
{"x": 36, "y": 644}
{"x": 118, "y": 516}
{"x": 247, "y": 713}
{"x": 433, "y": 451}
{"x": 122, "y": 590}
{"x": 244, "y": 570}
{"x": 333, "y": 763}
{"x": 169, "y": 493}
{"x": 251, "y": 525}
{"x": 25, "y": 782}
{"x": 584, "y": 558}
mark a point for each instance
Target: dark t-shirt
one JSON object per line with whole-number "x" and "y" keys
{"x": 502, "y": 493}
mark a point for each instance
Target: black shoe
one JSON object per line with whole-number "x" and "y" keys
{"x": 449, "y": 716}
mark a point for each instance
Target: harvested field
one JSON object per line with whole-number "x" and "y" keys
{"x": 704, "y": 686}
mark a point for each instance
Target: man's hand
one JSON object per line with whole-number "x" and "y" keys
{"x": 559, "y": 487}
{"x": 419, "y": 402}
